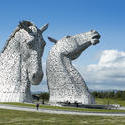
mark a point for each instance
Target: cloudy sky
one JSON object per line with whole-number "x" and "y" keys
{"x": 108, "y": 73}
{"x": 102, "y": 66}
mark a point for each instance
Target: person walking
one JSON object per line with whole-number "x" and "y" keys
{"x": 37, "y": 106}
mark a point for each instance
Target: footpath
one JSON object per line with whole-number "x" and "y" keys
{"x": 56, "y": 111}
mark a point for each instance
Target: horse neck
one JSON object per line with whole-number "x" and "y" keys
{"x": 59, "y": 68}
{"x": 73, "y": 73}
{"x": 10, "y": 55}
{"x": 63, "y": 67}
{"x": 10, "y": 63}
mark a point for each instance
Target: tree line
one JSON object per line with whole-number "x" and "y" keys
{"x": 109, "y": 94}
{"x": 43, "y": 96}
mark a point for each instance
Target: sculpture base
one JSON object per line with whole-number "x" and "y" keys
{"x": 92, "y": 106}
{"x": 88, "y": 100}
{"x": 15, "y": 97}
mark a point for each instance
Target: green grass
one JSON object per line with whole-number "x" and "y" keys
{"x": 12, "y": 117}
{"x": 64, "y": 108}
{"x": 105, "y": 101}
{"x": 98, "y": 101}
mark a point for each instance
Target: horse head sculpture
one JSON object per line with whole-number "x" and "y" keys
{"x": 20, "y": 63}
{"x": 64, "y": 82}
{"x": 72, "y": 46}
{"x": 31, "y": 48}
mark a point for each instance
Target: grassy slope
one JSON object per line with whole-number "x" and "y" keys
{"x": 111, "y": 101}
{"x": 98, "y": 100}
{"x": 10, "y": 117}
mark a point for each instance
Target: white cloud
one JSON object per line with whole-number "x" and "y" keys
{"x": 108, "y": 73}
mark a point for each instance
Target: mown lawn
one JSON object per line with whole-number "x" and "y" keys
{"x": 105, "y": 101}
{"x": 66, "y": 108}
{"x": 98, "y": 101}
{"x": 12, "y": 117}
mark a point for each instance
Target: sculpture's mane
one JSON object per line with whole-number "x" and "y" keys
{"x": 22, "y": 25}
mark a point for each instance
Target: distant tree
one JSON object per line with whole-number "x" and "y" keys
{"x": 109, "y": 94}
{"x": 118, "y": 94}
{"x": 44, "y": 96}
{"x": 35, "y": 97}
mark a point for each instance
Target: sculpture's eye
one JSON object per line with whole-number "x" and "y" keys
{"x": 30, "y": 45}
{"x": 68, "y": 36}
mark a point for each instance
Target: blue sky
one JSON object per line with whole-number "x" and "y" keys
{"x": 69, "y": 17}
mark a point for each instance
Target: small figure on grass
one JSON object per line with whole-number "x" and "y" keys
{"x": 37, "y": 106}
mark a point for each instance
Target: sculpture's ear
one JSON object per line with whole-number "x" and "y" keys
{"x": 25, "y": 25}
{"x": 68, "y": 36}
{"x": 52, "y": 40}
{"x": 43, "y": 28}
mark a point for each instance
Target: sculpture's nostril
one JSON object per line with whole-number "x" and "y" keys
{"x": 34, "y": 75}
{"x": 36, "y": 78}
{"x": 93, "y": 31}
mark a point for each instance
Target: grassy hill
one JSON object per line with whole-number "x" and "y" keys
{"x": 11, "y": 117}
